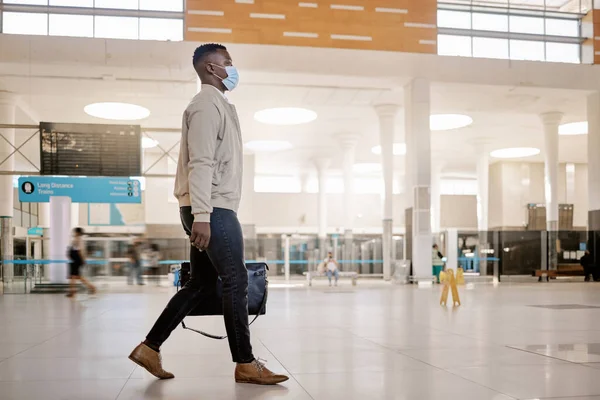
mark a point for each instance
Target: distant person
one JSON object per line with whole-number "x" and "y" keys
{"x": 77, "y": 260}
{"x": 437, "y": 261}
{"x": 135, "y": 263}
{"x": 208, "y": 186}
{"x": 153, "y": 261}
{"x": 332, "y": 268}
{"x": 587, "y": 262}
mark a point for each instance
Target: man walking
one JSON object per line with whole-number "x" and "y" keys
{"x": 208, "y": 187}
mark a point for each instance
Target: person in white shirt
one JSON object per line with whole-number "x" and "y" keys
{"x": 332, "y": 268}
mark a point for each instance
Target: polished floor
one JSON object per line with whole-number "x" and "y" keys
{"x": 373, "y": 341}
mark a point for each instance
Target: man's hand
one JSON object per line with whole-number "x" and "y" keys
{"x": 200, "y": 236}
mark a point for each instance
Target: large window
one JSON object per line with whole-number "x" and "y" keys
{"x": 154, "y": 5}
{"x": 488, "y": 32}
{"x": 119, "y": 19}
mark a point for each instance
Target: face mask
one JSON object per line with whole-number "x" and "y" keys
{"x": 233, "y": 77}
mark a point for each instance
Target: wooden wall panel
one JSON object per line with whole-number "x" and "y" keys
{"x": 395, "y": 25}
{"x": 595, "y": 17}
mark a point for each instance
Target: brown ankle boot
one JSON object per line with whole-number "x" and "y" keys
{"x": 150, "y": 360}
{"x": 255, "y": 372}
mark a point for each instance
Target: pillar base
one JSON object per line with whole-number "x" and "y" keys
{"x": 387, "y": 249}
{"x": 552, "y": 238}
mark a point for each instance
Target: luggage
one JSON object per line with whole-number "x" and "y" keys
{"x": 258, "y": 288}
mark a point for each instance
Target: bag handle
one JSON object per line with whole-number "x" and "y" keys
{"x": 208, "y": 335}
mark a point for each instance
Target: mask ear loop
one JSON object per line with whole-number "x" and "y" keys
{"x": 215, "y": 65}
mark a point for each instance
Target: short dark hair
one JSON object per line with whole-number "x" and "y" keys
{"x": 206, "y": 49}
{"x": 78, "y": 231}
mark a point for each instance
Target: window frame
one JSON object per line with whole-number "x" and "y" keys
{"x": 84, "y": 10}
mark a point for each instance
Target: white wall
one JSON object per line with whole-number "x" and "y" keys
{"x": 459, "y": 211}
{"x": 282, "y": 210}
{"x": 513, "y": 185}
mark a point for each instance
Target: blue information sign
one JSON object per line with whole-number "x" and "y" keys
{"x": 39, "y": 189}
{"x": 36, "y": 231}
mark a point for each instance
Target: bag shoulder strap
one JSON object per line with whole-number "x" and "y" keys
{"x": 208, "y": 335}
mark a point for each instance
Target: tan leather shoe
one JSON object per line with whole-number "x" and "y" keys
{"x": 150, "y": 360}
{"x": 256, "y": 373}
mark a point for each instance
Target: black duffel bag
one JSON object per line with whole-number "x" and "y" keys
{"x": 258, "y": 290}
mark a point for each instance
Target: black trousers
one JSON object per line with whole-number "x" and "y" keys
{"x": 224, "y": 258}
{"x": 590, "y": 269}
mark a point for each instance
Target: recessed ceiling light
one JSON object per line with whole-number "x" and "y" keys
{"x": 285, "y": 116}
{"x": 445, "y": 122}
{"x": 574, "y": 128}
{"x": 515, "y": 152}
{"x": 399, "y": 149}
{"x": 268, "y": 145}
{"x": 117, "y": 111}
{"x": 366, "y": 168}
{"x": 148, "y": 143}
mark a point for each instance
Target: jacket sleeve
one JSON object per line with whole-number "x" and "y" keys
{"x": 203, "y": 131}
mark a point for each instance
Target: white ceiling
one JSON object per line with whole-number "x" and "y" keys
{"x": 57, "y": 77}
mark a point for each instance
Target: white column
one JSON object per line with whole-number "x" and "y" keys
{"x": 8, "y": 103}
{"x": 436, "y": 197}
{"x": 348, "y": 143}
{"x": 483, "y": 183}
{"x": 593, "y": 148}
{"x": 60, "y": 236}
{"x": 387, "y": 120}
{"x": 418, "y": 133}
{"x": 551, "y": 121}
{"x": 286, "y": 257}
{"x": 322, "y": 165}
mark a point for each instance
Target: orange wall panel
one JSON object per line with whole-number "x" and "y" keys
{"x": 395, "y": 25}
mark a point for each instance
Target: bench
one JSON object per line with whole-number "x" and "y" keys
{"x": 563, "y": 270}
{"x": 314, "y": 274}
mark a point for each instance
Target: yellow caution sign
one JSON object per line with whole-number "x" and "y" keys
{"x": 449, "y": 281}
{"x": 460, "y": 276}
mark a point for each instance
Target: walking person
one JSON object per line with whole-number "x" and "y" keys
{"x": 437, "y": 262}
{"x": 77, "y": 260}
{"x": 208, "y": 186}
{"x": 135, "y": 264}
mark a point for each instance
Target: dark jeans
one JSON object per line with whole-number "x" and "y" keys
{"x": 224, "y": 258}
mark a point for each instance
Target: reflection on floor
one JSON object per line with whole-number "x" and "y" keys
{"x": 373, "y": 341}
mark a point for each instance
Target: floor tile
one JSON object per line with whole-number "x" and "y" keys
{"x": 429, "y": 384}
{"x": 575, "y": 353}
{"x": 52, "y": 369}
{"x": 536, "y": 381}
{"x": 107, "y": 389}
{"x": 330, "y": 362}
{"x": 215, "y": 388}
{"x": 477, "y": 356}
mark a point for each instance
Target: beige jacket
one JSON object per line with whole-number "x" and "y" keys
{"x": 210, "y": 166}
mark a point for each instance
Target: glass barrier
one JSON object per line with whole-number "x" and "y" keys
{"x": 521, "y": 252}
